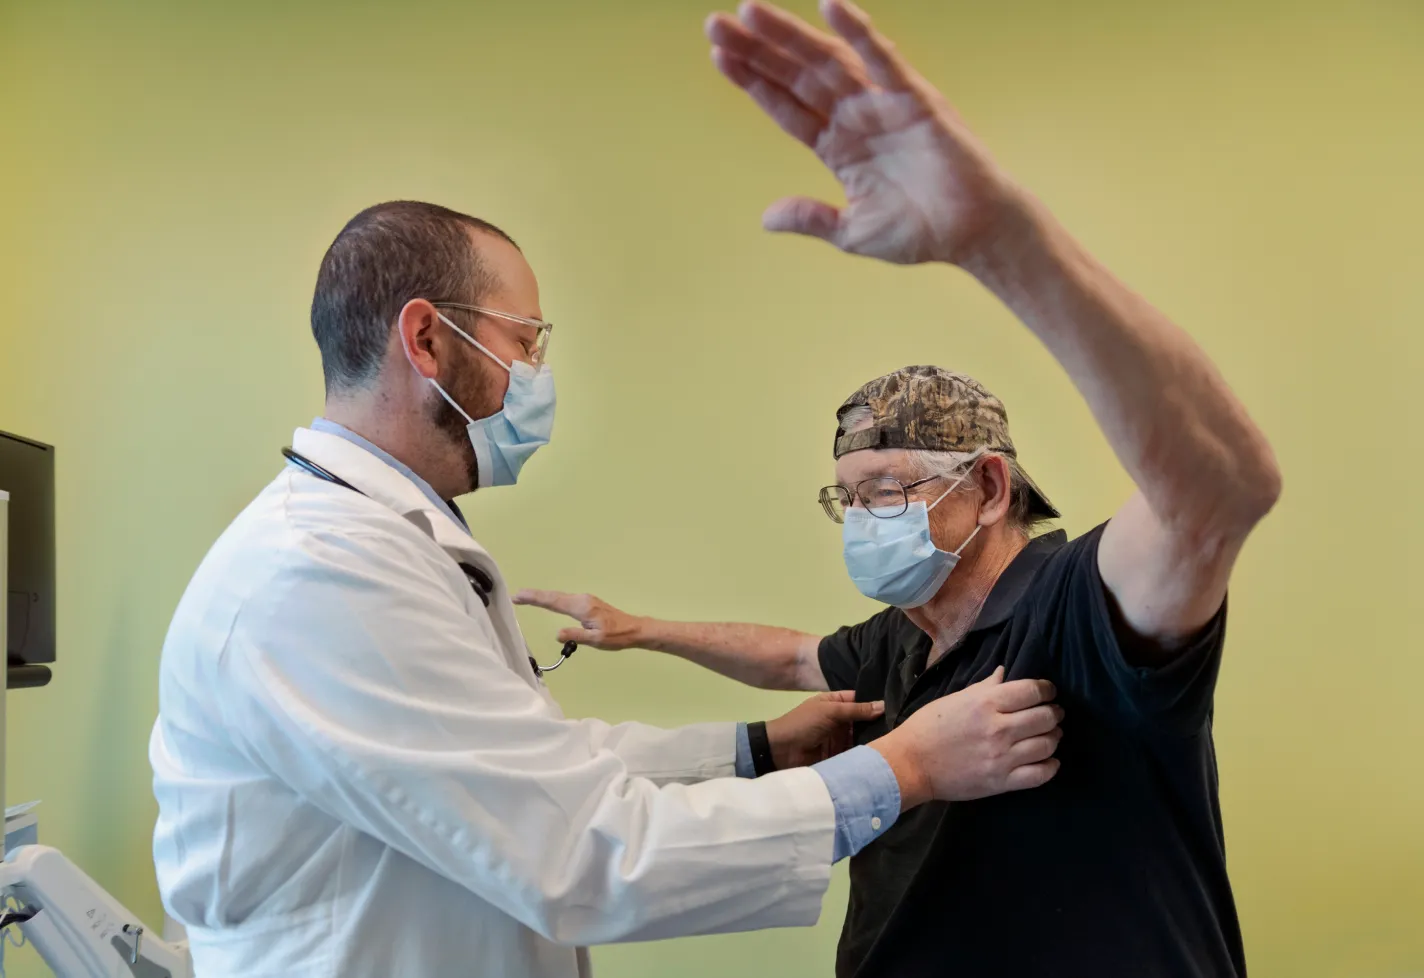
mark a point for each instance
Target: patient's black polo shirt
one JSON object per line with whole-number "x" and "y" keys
{"x": 1114, "y": 869}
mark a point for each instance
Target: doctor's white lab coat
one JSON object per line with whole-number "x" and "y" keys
{"x": 358, "y": 773}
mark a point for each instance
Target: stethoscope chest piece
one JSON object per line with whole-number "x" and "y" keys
{"x": 565, "y": 654}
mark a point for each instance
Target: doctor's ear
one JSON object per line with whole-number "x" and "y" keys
{"x": 993, "y": 479}
{"x": 421, "y": 337}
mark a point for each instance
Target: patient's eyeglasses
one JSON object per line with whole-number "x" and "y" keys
{"x": 884, "y": 497}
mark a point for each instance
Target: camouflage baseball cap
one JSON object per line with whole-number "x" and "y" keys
{"x": 934, "y": 410}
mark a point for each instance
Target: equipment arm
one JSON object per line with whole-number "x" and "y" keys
{"x": 79, "y": 930}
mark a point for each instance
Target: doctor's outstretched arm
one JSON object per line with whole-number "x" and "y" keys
{"x": 408, "y": 724}
{"x": 763, "y": 656}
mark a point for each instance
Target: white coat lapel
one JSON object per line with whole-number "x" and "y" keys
{"x": 383, "y": 484}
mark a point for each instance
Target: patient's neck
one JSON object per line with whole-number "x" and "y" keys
{"x": 949, "y": 615}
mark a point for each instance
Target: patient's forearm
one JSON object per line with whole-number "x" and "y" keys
{"x": 758, "y": 655}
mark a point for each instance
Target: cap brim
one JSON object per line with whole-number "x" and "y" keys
{"x": 1039, "y": 506}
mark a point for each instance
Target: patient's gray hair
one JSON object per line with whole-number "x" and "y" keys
{"x": 951, "y": 465}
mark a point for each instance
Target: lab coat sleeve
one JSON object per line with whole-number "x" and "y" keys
{"x": 356, "y": 676}
{"x": 686, "y": 755}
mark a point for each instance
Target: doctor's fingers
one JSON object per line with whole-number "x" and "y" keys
{"x": 1031, "y": 775}
{"x": 1021, "y": 694}
{"x": 853, "y": 712}
{"x": 1032, "y": 723}
{"x": 1034, "y": 749}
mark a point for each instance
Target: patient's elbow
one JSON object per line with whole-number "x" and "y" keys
{"x": 1262, "y": 490}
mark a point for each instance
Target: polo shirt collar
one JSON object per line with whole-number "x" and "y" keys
{"x": 1013, "y": 582}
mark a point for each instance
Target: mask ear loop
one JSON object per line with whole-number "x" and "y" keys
{"x": 977, "y": 526}
{"x": 947, "y": 492}
{"x": 477, "y": 345}
{"x": 969, "y": 539}
{"x": 451, "y": 401}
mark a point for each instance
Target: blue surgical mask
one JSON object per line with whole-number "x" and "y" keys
{"x": 893, "y": 559}
{"x": 504, "y": 441}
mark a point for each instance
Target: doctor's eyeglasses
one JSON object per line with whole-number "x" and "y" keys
{"x": 536, "y": 349}
{"x": 885, "y": 498}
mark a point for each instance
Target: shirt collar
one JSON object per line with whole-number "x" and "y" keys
{"x": 341, "y": 431}
{"x": 1013, "y": 582}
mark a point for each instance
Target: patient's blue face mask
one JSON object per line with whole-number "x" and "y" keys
{"x": 893, "y": 559}
{"x": 504, "y": 441}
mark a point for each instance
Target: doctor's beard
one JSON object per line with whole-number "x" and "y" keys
{"x": 472, "y": 389}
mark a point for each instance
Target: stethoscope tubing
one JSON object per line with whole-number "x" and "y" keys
{"x": 311, "y": 468}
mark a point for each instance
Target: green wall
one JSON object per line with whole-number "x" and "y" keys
{"x": 170, "y": 175}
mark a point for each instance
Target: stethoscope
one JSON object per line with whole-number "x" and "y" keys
{"x": 481, "y": 582}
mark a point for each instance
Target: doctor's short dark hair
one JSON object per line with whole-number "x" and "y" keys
{"x": 384, "y": 257}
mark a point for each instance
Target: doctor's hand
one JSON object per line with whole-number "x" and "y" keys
{"x": 817, "y": 729}
{"x": 918, "y": 185}
{"x": 986, "y": 739}
{"x": 600, "y": 625}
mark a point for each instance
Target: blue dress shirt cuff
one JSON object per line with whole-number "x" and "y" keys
{"x": 865, "y": 794}
{"x": 745, "y": 768}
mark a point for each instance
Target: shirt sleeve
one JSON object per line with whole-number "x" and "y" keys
{"x": 866, "y": 797}
{"x": 676, "y": 755}
{"x": 744, "y": 766}
{"x": 863, "y": 791}
{"x": 1072, "y": 613}
{"x": 845, "y": 651}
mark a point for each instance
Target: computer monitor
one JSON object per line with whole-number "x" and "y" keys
{"x": 27, "y": 474}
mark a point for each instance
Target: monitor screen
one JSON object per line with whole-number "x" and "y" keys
{"x": 27, "y": 474}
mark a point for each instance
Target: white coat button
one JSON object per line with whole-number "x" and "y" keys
{"x": 875, "y": 822}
